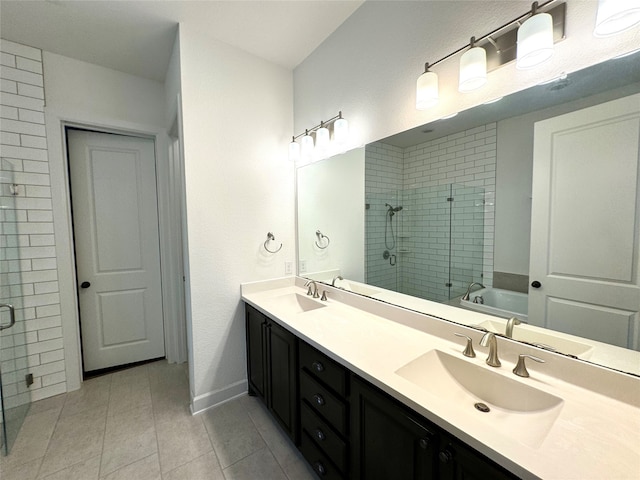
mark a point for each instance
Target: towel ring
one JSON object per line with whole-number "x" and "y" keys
{"x": 320, "y": 238}
{"x": 270, "y": 237}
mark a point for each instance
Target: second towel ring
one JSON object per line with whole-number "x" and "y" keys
{"x": 320, "y": 238}
{"x": 270, "y": 237}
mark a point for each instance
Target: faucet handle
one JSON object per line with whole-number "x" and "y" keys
{"x": 468, "y": 350}
{"x": 324, "y": 296}
{"x": 520, "y": 368}
{"x": 310, "y": 291}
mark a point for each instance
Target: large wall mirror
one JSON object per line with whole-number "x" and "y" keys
{"x": 420, "y": 216}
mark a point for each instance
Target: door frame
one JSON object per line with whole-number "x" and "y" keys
{"x": 170, "y": 250}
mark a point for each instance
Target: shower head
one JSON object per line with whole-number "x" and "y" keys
{"x": 392, "y": 208}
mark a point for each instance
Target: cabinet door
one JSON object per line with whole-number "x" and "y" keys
{"x": 282, "y": 378}
{"x": 256, "y": 351}
{"x": 457, "y": 461}
{"x": 389, "y": 442}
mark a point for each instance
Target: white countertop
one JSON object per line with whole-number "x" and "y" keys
{"x": 596, "y": 434}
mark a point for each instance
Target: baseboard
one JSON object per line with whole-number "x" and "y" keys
{"x": 208, "y": 400}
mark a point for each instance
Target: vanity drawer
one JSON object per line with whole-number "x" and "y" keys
{"x": 324, "y": 437}
{"x": 323, "y": 402}
{"x": 323, "y": 368}
{"x": 319, "y": 462}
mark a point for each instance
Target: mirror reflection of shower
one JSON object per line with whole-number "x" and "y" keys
{"x": 390, "y": 243}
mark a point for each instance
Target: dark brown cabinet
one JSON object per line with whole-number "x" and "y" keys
{"x": 272, "y": 368}
{"x": 388, "y": 441}
{"x": 344, "y": 426}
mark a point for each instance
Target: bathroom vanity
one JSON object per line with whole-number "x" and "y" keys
{"x": 368, "y": 390}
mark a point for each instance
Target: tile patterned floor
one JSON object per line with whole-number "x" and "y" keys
{"x": 136, "y": 424}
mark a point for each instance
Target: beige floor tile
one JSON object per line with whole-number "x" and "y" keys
{"x": 299, "y": 470}
{"x": 94, "y": 393}
{"x": 86, "y": 470}
{"x": 33, "y": 438}
{"x": 127, "y": 395}
{"x": 164, "y": 376}
{"x": 181, "y": 440}
{"x": 170, "y": 403}
{"x": 51, "y": 403}
{"x": 129, "y": 437}
{"x": 145, "y": 469}
{"x": 23, "y": 471}
{"x": 204, "y": 467}
{"x": 75, "y": 439}
{"x": 232, "y": 432}
{"x": 259, "y": 465}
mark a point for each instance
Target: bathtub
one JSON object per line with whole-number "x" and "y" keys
{"x": 502, "y": 303}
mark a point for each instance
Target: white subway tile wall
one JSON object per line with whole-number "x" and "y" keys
{"x": 460, "y": 166}
{"x": 28, "y": 267}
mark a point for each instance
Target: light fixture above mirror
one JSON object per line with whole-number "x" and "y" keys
{"x": 528, "y": 39}
{"x": 309, "y": 150}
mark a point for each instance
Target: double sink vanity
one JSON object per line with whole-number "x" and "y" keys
{"x": 370, "y": 390}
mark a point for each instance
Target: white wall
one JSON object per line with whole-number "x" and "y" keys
{"x": 237, "y": 122}
{"x": 330, "y": 199}
{"x": 86, "y": 94}
{"x": 369, "y": 66}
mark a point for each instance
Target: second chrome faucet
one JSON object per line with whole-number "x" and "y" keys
{"x": 489, "y": 339}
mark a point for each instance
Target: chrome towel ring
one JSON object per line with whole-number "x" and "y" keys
{"x": 321, "y": 237}
{"x": 271, "y": 237}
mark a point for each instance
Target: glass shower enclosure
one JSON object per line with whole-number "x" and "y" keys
{"x": 425, "y": 242}
{"x": 15, "y": 397}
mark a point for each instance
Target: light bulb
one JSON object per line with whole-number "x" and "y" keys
{"x": 473, "y": 69}
{"x": 306, "y": 149}
{"x": 341, "y": 131}
{"x": 294, "y": 151}
{"x": 535, "y": 41}
{"x": 427, "y": 90}
{"x": 615, "y": 16}
{"x": 322, "y": 139}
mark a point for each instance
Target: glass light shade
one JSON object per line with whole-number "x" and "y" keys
{"x": 294, "y": 151}
{"x": 615, "y": 16}
{"x": 322, "y": 138}
{"x": 427, "y": 90}
{"x": 535, "y": 41}
{"x": 340, "y": 131}
{"x": 306, "y": 150}
{"x": 473, "y": 69}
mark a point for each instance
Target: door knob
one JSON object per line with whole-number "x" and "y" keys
{"x": 85, "y": 284}
{"x": 536, "y": 284}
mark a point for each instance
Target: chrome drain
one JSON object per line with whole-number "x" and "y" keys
{"x": 482, "y": 407}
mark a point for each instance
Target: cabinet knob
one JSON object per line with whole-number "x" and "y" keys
{"x": 319, "y": 467}
{"x": 319, "y": 434}
{"x": 318, "y": 399}
{"x": 424, "y": 443}
{"x": 445, "y": 456}
{"x": 317, "y": 366}
{"x": 536, "y": 284}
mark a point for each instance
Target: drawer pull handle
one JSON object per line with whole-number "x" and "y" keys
{"x": 320, "y": 469}
{"x": 318, "y": 399}
{"x": 424, "y": 443}
{"x": 319, "y": 435}
{"x": 318, "y": 366}
{"x": 445, "y": 456}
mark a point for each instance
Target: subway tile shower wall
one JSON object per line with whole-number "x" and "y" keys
{"x": 461, "y": 166}
{"x": 28, "y": 269}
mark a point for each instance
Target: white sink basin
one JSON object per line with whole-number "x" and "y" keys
{"x": 517, "y": 410}
{"x": 526, "y": 333}
{"x": 293, "y": 303}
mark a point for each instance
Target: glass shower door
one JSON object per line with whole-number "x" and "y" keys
{"x": 15, "y": 397}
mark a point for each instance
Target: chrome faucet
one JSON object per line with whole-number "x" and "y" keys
{"x": 337, "y": 277}
{"x": 512, "y": 322}
{"x": 312, "y": 291}
{"x": 489, "y": 339}
{"x": 466, "y": 295}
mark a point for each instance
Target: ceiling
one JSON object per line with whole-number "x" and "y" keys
{"x": 137, "y": 37}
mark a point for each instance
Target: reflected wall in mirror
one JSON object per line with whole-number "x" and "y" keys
{"x": 450, "y": 203}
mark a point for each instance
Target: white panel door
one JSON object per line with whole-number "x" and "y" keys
{"x": 115, "y": 222}
{"x": 585, "y": 237}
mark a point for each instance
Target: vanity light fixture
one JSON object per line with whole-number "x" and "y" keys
{"x": 535, "y": 40}
{"x": 616, "y": 16}
{"x": 307, "y": 149}
{"x": 527, "y": 39}
{"x": 473, "y": 68}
